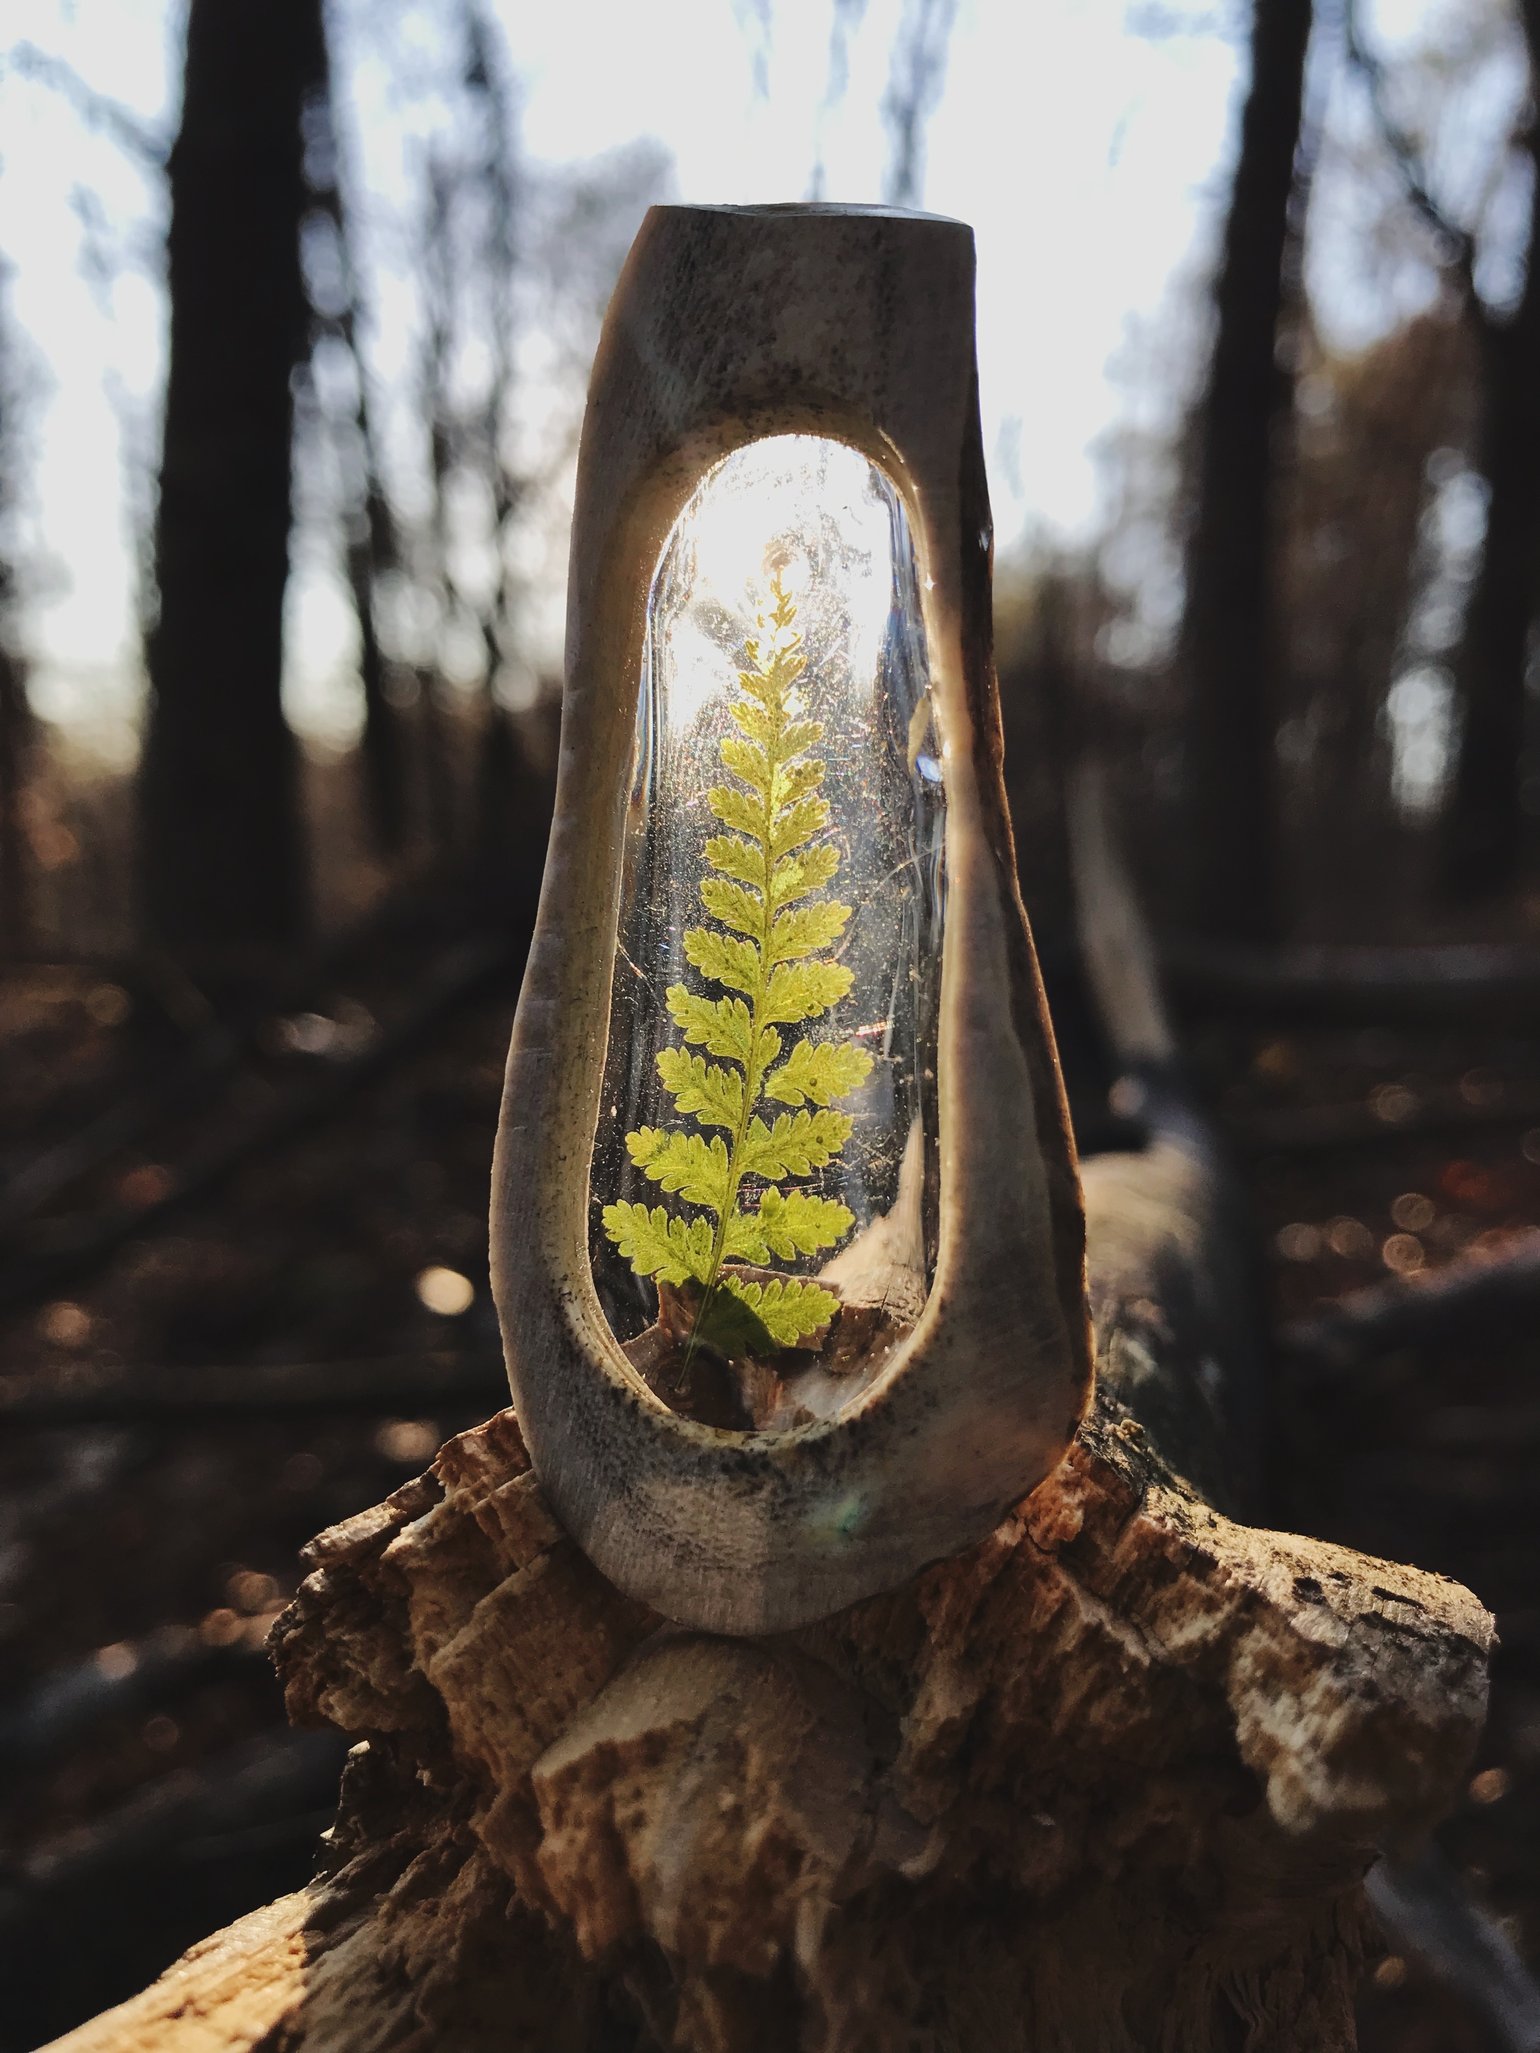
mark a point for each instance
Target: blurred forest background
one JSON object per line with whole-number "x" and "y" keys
{"x": 297, "y": 303}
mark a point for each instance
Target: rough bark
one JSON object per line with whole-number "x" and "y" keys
{"x": 219, "y": 801}
{"x": 1228, "y": 650}
{"x": 1108, "y": 1781}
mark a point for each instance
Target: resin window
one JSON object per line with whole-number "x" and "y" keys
{"x": 764, "y": 1171}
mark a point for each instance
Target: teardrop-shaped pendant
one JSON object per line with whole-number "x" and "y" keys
{"x": 787, "y": 1240}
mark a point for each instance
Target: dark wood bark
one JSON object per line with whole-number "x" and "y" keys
{"x": 220, "y": 820}
{"x": 1485, "y": 821}
{"x": 1227, "y": 652}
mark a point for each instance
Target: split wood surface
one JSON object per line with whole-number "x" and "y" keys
{"x": 1108, "y": 1781}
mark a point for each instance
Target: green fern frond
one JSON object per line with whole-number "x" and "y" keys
{"x": 737, "y": 810}
{"x": 735, "y": 905}
{"x": 768, "y": 869}
{"x": 798, "y": 824}
{"x": 796, "y": 875}
{"x": 700, "y": 1171}
{"x": 735, "y": 857}
{"x": 805, "y": 929}
{"x": 738, "y": 964}
{"x": 804, "y": 990}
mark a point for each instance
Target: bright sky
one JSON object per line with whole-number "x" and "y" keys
{"x": 1090, "y": 160}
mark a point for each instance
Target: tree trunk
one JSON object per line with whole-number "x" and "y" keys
{"x": 1108, "y": 1781}
{"x": 220, "y": 821}
{"x": 1227, "y": 654}
{"x": 15, "y": 731}
{"x": 15, "y": 713}
{"x": 371, "y": 543}
{"x": 1484, "y": 828}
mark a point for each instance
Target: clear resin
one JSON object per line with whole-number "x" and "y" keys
{"x": 764, "y": 1184}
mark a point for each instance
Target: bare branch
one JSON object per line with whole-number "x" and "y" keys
{"x": 1457, "y": 245}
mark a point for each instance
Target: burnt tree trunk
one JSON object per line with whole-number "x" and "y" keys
{"x": 1484, "y": 826}
{"x": 15, "y": 714}
{"x": 1227, "y": 652}
{"x": 15, "y": 725}
{"x": 219, "y": 802}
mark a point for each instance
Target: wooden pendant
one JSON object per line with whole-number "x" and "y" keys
{"x": 730, "y": 326}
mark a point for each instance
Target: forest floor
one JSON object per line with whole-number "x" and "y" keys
{"x": 150, "y": 1789}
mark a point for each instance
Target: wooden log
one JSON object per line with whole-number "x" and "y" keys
{"x": 1428, "y": 984}
{"x": 1471, "y": 1298}
{"x": 112, "y": 1394}
{"x": 1109, "y": 1780}
{"x": 64, "y": 1248}
{"x": 1424, "y": 1908}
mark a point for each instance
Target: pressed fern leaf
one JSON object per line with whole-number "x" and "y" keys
{"x": 761, "y": 890}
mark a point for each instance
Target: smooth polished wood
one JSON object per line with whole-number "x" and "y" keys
{"x": 730, "y": 324}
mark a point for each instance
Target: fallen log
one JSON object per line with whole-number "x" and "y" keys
{"x": 1336, "y": 981}
{"x": 1111, "y": 1779}
{"x": 79, "y": 1911}
{"x": 1470, "y": 1298}
{"x": 112, "y": 1394}
{"x": 1423, "y": 1908}
{"x": 64, "y": 1248}
{"x": 1348, "y": 1129}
